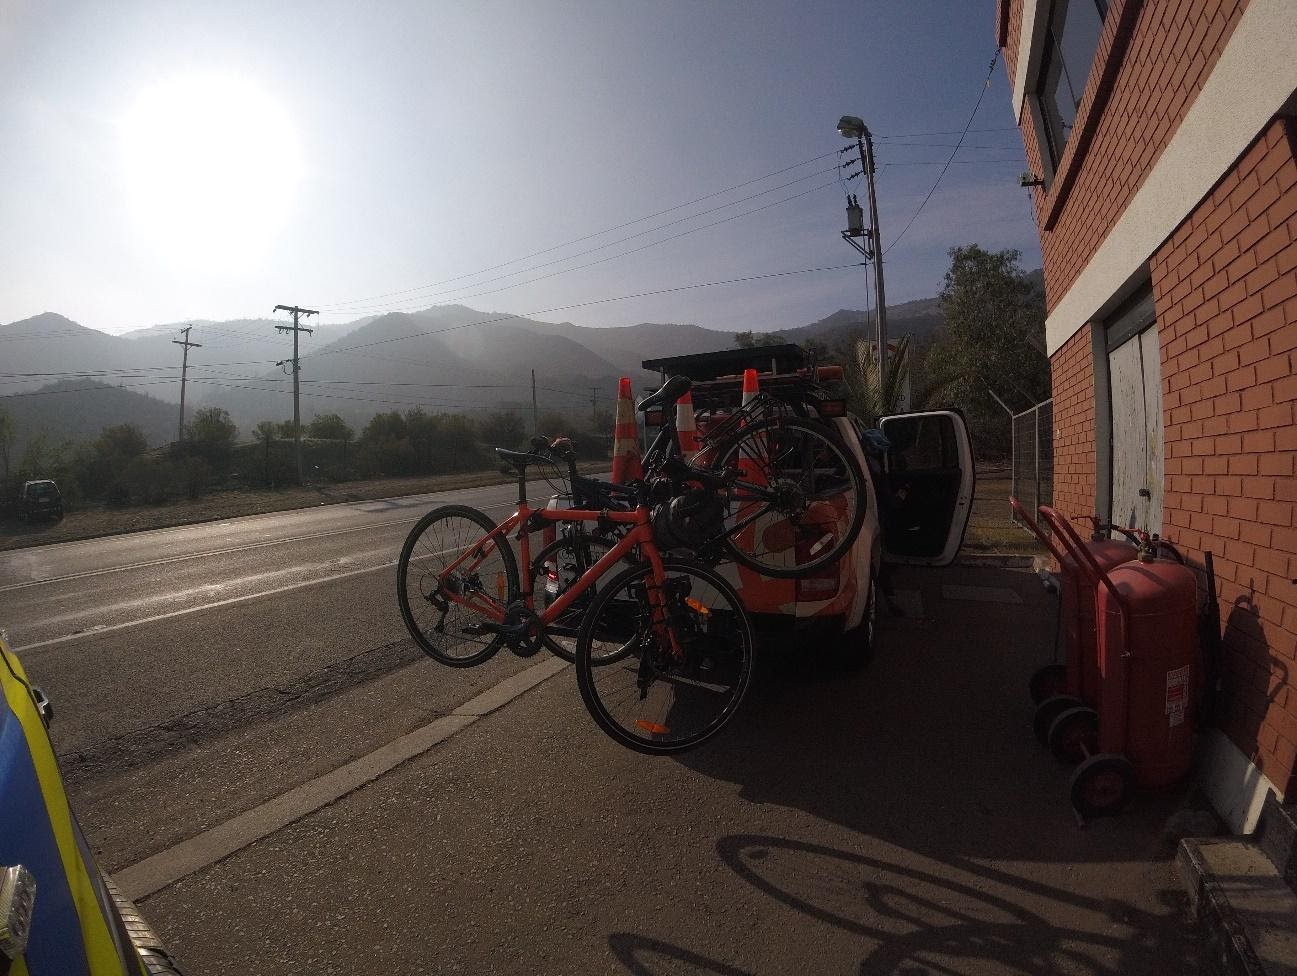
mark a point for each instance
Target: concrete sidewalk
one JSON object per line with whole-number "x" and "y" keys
{"x": 898, "y": 819}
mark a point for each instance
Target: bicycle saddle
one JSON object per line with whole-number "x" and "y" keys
{"x": 519, "y": 459}
{"x": 672, "y": 390}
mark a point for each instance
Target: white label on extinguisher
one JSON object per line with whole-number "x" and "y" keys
{"x": 1177, "y": 695}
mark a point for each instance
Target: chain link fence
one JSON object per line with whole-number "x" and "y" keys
{"x": 1033, "y": 456}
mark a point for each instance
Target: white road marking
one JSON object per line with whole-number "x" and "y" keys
{"x": 206, "y": 606}
{"x": 165, "y": 560}
{"x": 97, "y": 630}
{"x": 169, "y": 866}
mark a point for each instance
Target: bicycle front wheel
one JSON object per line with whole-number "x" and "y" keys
{"x": 653, "y": 699}
{"x": 447, "y": 630}
{"x": 800, "y": 499}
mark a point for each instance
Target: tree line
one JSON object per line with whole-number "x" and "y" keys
{"x": 990, "y": 350}
{"x": 118, "y": 468}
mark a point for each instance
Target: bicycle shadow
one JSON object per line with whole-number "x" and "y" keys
{"x": 952, "y": 918}
{"x": 644, "y": 956}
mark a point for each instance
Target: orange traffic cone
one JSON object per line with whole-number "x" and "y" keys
{"x": 626, "y": 465}
{"x": 749, "y": 466}
{"x": 687, "y": 427}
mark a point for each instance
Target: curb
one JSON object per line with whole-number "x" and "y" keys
{"x": 1214, "y": 869}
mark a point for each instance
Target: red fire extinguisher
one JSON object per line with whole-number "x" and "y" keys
{"x": 1141, "y": 730}
{"x": 1056, "y": 687}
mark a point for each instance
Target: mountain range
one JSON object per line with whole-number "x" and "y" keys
{"x": 448, "y": 357}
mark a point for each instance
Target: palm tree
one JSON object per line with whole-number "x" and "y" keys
{"x": 870, "y": 399}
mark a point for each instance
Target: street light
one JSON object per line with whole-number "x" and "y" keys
{"x": 851, "y": 127}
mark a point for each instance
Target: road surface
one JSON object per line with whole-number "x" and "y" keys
{"x": 249, "y": 683}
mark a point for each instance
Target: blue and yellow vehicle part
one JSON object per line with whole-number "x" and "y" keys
{"x": 75, "y": 929}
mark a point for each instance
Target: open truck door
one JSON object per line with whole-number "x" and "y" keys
{"x": 928, "y": 495}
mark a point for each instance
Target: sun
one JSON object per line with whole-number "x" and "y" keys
{"x": 211, "y": 166}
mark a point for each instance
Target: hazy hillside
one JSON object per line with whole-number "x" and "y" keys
{"x": 919, "y": 319}
{"x": 79, "y": 409}
{"x": 449, "y": 357}
{"x": 51, "y": 344}
{"x": 231, "y": 341}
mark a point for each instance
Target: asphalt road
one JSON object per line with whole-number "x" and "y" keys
{"x": 899, "y": 818}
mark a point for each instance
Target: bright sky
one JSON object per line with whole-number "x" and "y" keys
{"x": 168, "y": 160}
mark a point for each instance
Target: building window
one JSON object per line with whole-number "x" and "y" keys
{"x": 1071, "y": 39}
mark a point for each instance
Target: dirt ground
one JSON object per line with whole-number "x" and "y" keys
{"x": 990, "y": 530}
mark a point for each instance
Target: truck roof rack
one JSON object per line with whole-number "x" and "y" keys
{"x": 785, "y": 358}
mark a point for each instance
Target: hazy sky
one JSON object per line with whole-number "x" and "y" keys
{"x": 170, "y": 160}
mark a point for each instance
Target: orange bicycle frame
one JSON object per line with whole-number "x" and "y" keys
{"x": 641, "y": 535}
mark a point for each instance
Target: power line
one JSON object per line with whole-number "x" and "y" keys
{"x": 634, "y": 250}
{"x": 602, "y": 247}
{"x": 88, "y": 389}
{"x": 579, "y": 240}
{"x": 982, "y": 94}
{"x": 587, "y": 304}
{"x": 86, "y": 374}
{"x": 947, "y": 132}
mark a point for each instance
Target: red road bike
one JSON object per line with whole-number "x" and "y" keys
{"x": 664, "y": 648}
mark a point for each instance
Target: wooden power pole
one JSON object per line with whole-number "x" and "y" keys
{"x": 184, "y": 369}
{"x": 535, "y": 412}
{"x": 296, "y": 329}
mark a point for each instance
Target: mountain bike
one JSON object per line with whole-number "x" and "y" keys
{"x": 664, "y": 648}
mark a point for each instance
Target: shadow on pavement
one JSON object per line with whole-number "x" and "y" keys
{"x": 927, "y": 755}
{"x": 944, "y": 919}
{"x": 642, "y": 956}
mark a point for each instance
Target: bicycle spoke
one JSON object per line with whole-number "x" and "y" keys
{"x": 657, "y": 701}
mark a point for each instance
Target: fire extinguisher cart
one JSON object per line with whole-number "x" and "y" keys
{"x": 1139, "y": 732}
{"x": 1056, "y": 688}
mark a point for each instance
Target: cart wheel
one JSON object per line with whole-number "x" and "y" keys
{"x": 1050, "y": 709}
{"x": 1102, "y": 785}
{"x": 1047, "y": 682}
{"x": 1074, "y": 735}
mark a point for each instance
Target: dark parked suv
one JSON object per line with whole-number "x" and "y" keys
{"x": 40, "y": 499}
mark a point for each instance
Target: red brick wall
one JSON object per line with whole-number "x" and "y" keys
{"x": 1014, "y": 38}
{"x": 1074, "y": 447}
{"x": 1225, "y": 291}
{"x": 1172, "y": 47}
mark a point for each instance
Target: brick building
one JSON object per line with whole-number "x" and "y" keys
{"x": 1164, "y": 134}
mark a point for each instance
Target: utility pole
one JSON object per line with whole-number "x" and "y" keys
{"x": 297, "y": 368}
{"x": 184, "y": 369}
{"x": 850, "y": 126}
{"x": 535, "y": 413}
{"x": 594, "y": 408}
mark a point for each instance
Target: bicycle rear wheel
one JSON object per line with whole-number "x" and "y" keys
{"x": 800, "y": 500}
{"x": 555, "y": 568}
{"x": 649, "y": 700}
{"x": 447, "y": 631}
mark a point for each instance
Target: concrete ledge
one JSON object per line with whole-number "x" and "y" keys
{"x": 1247, "y": 915}
{"x": 1276, "y": 833}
